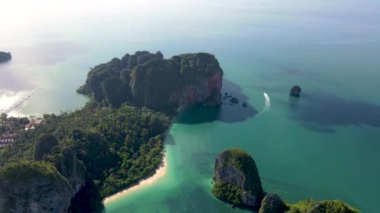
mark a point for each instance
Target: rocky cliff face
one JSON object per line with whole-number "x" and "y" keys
{"x": 295, "y": 91}
{"x": 39, "y": 186}
{"x": 34, "y": 187}
{"x": 272, "y": 203}
{"x": 236, "y": 169}
{"x": 206, "y": 91}
{"x": 237, "y": 181}
{"x": 71, "y": 168}
{"x": 146, "y": 79}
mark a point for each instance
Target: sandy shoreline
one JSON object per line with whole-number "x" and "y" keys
{"x": 160, "y": 172}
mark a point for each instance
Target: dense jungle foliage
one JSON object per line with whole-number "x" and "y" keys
{"x": 106, "y": 149}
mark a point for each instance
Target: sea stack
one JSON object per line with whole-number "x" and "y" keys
{"x": 237, "y": 179}
{"x": 295, "y": 91}
{"x": 4, "y": 56}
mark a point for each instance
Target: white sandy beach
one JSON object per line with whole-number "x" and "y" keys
{"x": 160, "y": 172}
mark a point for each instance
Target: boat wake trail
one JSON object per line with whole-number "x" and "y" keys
{"x": 266, "y": 104}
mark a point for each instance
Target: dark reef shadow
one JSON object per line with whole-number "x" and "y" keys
{"x": 226, "y": 112}
{"x": 321, "y": 111}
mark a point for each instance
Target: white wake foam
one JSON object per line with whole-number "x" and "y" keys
{"x": 266, "y": 103}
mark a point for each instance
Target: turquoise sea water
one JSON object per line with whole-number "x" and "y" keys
{"x": 324, "y": 145}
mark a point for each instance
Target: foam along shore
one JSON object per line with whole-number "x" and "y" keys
{"x": 160, "y": 172}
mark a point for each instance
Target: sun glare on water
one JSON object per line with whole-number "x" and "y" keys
{"x": 24, "y": 13}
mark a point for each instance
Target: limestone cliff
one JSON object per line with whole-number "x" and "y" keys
{"x": 272, "y": 203}
{"x": 71, "y": 168}
{"x": 40, "y": 186}
{"x": 147, "y": 79}
{"x": 237, "y": 180}
{"x": 34, "y": 187}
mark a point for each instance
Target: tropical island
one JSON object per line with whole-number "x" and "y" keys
{"x": 74, "y": 160}
{"x": 5, "y": 56}
{"x": 148, "y": 80}
{"x": 237, "y": 181}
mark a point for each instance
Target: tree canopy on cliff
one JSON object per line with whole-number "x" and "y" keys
{"x": 237, "y": 181}
{"x": 325, "y": 206}
{"x": 100, "y": 149}
{"x": 115, "y": 141}
{"x": 147, "y": 79}
{"x": 44, "y": 145}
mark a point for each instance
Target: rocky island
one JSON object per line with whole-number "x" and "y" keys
{"x": 295, "y": 91}
{"x": 149, "y": 80}
{"x": 237, "y": 181}
{"x": 4, "y": 57}
{"x": 74, "y": 160}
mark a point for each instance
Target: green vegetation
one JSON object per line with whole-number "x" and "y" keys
{"x": 25, "y": 170}
{"x": 325, "y": 206}
{"x": 147, "y": 79}
{"x": 109, "y": 145}
{"x": 244, "y": 162}
{"x": 11, "y": 123}
{"x": 228, "y": 192}
{"x": 29, "y": 186}
{"x": 44, "y": 145}
{"x": 107, "y": 149}
{"x": 237, "y": 181}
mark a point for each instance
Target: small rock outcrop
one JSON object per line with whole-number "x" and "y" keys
{"x": 147, "y": 79}
{"x": 295, "y": 91}
{"x": 237, "y": 180}
{"x": 234, "y": 100}
{"x": 272, "y": 203}
{"x": 4, "y": 56}
{"x": 35, "y": 187}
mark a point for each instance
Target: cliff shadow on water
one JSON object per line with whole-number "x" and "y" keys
{"x": 321, "y": 111}
{"x": 229, "y": 111}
